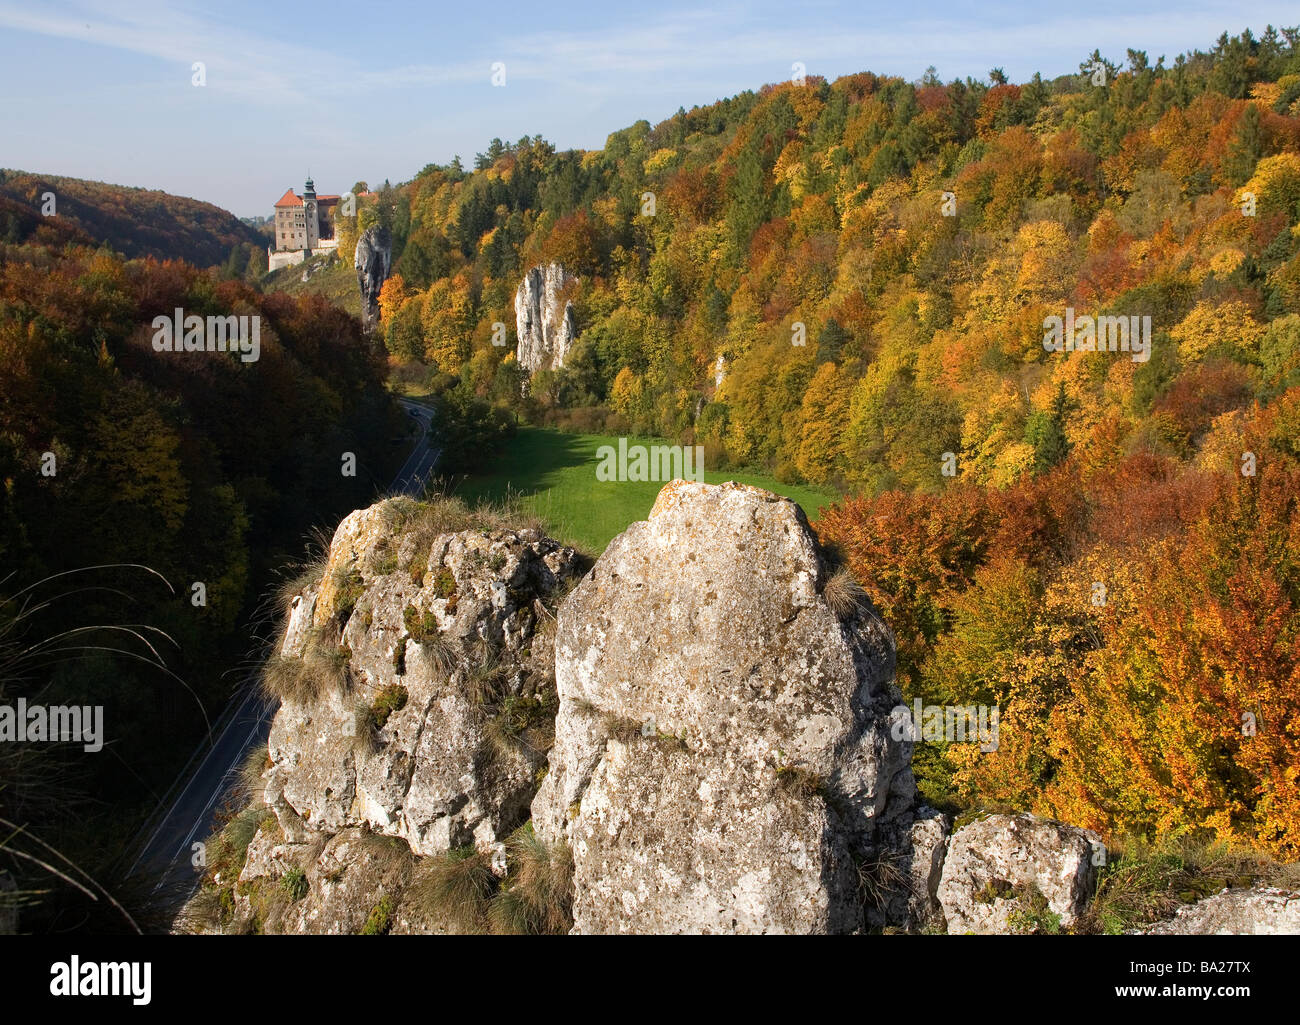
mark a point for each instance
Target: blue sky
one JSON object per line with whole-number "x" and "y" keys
{"x": 372, "y": 90}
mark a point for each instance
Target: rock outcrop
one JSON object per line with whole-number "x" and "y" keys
{"x": 544, "y": 323}
{"x": 372, "y": 260}
{"x": 916, "y": 902}
{"x": 1261, "y": 911}
{"x": 700, "y": 734}
{"x": 441, "y": 636}
{"x": 1000, "y": 869}
{"x": 723, "y": 761}
{"x": 349, "y": 881}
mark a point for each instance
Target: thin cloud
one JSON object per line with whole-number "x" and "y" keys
{"x": 700, "y": 46}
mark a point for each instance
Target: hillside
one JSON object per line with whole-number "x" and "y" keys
{"x": 800, "y": 234}
{"x": 133, "y": 221}
{"x": 329, "y": 275}
{"x": 878, "y": 285}
{"x": 151, "y": 500}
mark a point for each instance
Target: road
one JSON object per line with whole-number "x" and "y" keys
{"x": 212, "y": 771}
{"x": 419, "y": 464}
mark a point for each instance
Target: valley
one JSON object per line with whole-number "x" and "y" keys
{"x": 757, "y": 500}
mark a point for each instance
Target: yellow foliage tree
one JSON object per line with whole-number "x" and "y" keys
{"x": 1276, "y": 185}
{"x": 1208, "y": 324}
{"x": 825, "y": 414}
{"x": 392, "y": 296}
{"x": 625, "y": 394}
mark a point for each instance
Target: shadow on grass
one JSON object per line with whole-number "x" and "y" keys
{"x": 529, "y": 463}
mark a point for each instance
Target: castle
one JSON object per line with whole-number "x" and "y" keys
{"x": 303, "y": 225}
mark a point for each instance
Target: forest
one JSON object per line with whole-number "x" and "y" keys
{"x": 135, "y": 222}
{"x": 848, "y": 284}
{"x": 151, "y": 505}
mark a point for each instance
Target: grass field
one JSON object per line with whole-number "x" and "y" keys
{"x": 555, "y": 473}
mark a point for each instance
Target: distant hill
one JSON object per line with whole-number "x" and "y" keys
{"x": 136, "y": 222}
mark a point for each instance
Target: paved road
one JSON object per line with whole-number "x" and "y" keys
{"x": 419, "y": 464}
{"x": 213, "y": 770}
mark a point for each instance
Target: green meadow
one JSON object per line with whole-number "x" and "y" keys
{"x": 553, "y": 474}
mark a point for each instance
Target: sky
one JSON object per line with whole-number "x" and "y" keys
{"x": 368, "y": 91}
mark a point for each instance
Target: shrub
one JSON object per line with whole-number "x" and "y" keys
{"x": 294, "y": 884}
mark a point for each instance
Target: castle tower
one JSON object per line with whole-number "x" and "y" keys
{"x": 310, "y": 215}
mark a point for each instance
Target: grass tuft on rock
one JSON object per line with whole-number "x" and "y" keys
{"x": 536, "y": 897}
{"x": 455, "y": 888}
{"x": 443, "y": 514}
{"x": 843, "y": 593}
{"x": 520, "y": 724}
{"x": 294, "y": 885}
{"x": 212, "y": 908}
{"x": 323, "y": 667}
{"x": 484, "y": 683}
{"x": 307, "y": 574}
{"x": 800, "y": 781}
{"x": 251, "y": 786}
